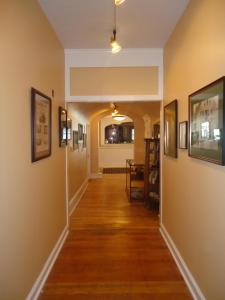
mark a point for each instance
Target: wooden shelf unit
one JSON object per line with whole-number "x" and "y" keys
{"x": 134, "y": 181}
{"x": 152, "y": 173}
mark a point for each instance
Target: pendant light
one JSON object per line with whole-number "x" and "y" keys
{"x": 114, "y": 43}
{"x": 116, "y": 115}
{"x": 118, "y": 2}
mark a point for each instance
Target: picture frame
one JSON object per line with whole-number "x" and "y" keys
{"x": 41, "y": 125}
{"x": 69, "y": 130}
{"x": 80, "y": 132}
{"x": 207, "y": 123}
{"x": 183, "y": 135}
{"x": 170, "y": 129}
{"x": 84, "y": 140}
{"x": 62, "y": 126}
{"x": 75, "y": 140}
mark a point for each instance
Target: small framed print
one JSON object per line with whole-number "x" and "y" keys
{"x": 170, "y": 129}
{"x": 84, "y": 140}
{"x": 62, "y": 127}
{"x": 41, "y": 127}
{"x": 183, "y": 136}
{"x": 80, "y": 132}
{"x": 207, "y": 123}
{"x": 75, "y": 140}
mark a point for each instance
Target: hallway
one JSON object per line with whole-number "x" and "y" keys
{"x": 114, "y": 251}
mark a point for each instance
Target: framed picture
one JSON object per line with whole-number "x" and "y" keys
{"x": 207, "y": 122}
{"x": 183, "y": 136}
{"x": 69, "y": 130}
{"x": 75, "y": 140}
{"x": 80, "y": 132}
{"x": 62, "y": 127}
{"x": 84, "y": 140}
{"x": 41, "y": 127}
{"x": 170, "y": 129}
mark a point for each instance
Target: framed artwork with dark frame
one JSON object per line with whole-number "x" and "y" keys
{"x": 207, "y": 123}
{"x": 62, "y": 127}
{"x": 41, "y": 125}
{"x": 80, "y": 132}
{"x": 183, "y": 135}
{"x": 84, "y": 140}
{"x": 69, "y": 130}
{"x": 75, "y": 140}
{"x": 170, "y": 129}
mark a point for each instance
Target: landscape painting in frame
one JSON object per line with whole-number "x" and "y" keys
{"x": 206, "y": 115}
{"x": 170, "y": 129}
{"x": 40, "y": 125}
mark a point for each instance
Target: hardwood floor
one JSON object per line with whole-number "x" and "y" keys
{"x": 114, "y": 251}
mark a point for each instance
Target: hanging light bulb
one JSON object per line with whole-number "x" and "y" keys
{"x": 118, "y": 2}
{"x": 114, "y": 44}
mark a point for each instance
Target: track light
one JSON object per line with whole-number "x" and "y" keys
{"x": 118, "y": 2}
{"x": 114, "y": 44}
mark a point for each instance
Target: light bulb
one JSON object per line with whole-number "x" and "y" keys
{"x": 118, "y": 2}
{"x": 115, "y": 47}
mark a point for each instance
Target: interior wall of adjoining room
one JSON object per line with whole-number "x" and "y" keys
{"x": 136, "y": 111}
{"x": 32, "y": 195}
{"x": 193, "y": 190}
{"x": 113, "y": 155}
{"x": 77, "y": 153}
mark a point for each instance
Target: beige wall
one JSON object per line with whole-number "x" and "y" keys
{"x": 77, "y": 160}
{"x": 193, "y": 193}
{"x": 114, "y": 81}
{"x": 32, "y": 195}
{"x": 135, "y": 111}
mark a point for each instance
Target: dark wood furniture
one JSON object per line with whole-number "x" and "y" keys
{"x": 134, "y": 180}
{"x": 152, "y": 173}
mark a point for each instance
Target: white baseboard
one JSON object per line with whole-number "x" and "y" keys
{"x": 39, "y": 283}
{"x": 96, "y": 175}
{"x": 188, "y": 277}
{"x": 77, "y": 196}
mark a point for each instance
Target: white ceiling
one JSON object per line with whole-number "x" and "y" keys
{"x": 89, "y": 23}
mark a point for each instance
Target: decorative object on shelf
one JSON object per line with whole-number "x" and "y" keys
{"x": 62, "y": 127}
{"x": 170, "y": 129}
{"x": 75, "y": 140}
{"x": 183, "y": 135}
{"x": 80, "y": 132}
{"x": 206, "y": 123}
{"x": 113, "y": 40}
{"x": 84, "y": 140}
{"x": 41, "y": 127}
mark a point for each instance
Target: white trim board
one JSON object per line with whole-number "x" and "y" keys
{"x": 186, "y": 273}
{"x": 104, "y": 58}
{"x": 77, "y": 196}
{"x": 39, "y": 283}
{"x": 96, "y": 175}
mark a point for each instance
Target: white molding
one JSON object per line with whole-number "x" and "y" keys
{"x": 186, "y": 273}
{"x": 114, "y": 98}
{"x": 77, "y": 196}
{"x": 96, "y": 175}
{"x": 39, "y": 283}
{"x": 104, "y": 58}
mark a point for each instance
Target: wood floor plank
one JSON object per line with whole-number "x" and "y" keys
{"x": 114, "y": 251}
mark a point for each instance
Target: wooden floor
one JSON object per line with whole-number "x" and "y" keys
{"x": 114, "y": 251}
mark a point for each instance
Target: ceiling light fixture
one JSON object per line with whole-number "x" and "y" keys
{"x": 114, "y": 44}
{"x": 113, "y": 41}
{"x": 115, "y": 114}
{"x": 118, "y": 2}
